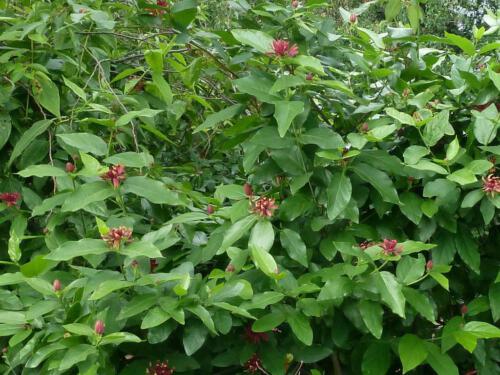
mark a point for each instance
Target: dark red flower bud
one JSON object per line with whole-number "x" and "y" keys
{"x": 464, "y": 309}
{"x": 10, "y": 199}
{"x": 309, "y": 76}
{"x": 99, "y": 327}
{"x": 56, "y": 285}
{"x": 429, "y": 265}
{"x": 365, "y": 127}
{"x": 70, "y": 167}
{"x": 159, "y": 368}
{"x": 230, "y": 268}
{"x": 153, "y": 264}
{"x": 295, "y": 4}
{"x": 210, "y": 209}
{"x": 247, "y": 188}
{"x": 353, "y": 18}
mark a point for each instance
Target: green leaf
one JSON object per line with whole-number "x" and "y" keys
{"x": 76, "y": 354}
{"x": 262, "y": 235}
{"x": 79, "y": 329}
{"x": 426, "y": 165}
{"x": 154, "y": 317}
{"x": 194, "y": 337}
{"x": 258, "y": 87}
{"x": 441, "y": 279}
{"x": 137, "y": 305}
{"x": 494, "y": 298}
{"x": 28, "y": 136}
{"x": 41, "y": 308}
{"x": 462, "y": 177}
{"x": 221, "y": 116}
{"x": 117, "y": 338}
{"x": 295, "y": 247}
{"x": 107, "y": 287}
{"x": 468, "y": 250}
{"x": 43, "y": 353}
{"x": 392, "y": 9}
{"x": 372, "y": 314}
{"x": 391, "y": 292}
{"x": 131, "y": 159}
{"x": 472, "y": 198}
{"x": 410, "y": 269}
{"x": 42, "y": 170}
{"x": 154, "y": 191}
{"x": 413, "y": 154}
{"x": 284, "y": 114}
{"x": 46, "y": 93}
{"x": 141, "y": 249}
{"x": 379, "y": 180}
{"x": 72, "y": 249}
{"x": 268, "y": 322}
{"x": 300, "y": 327}
{"x": 402, "y": 117}
{"x": 259, "y": 40}
{"x": 376, "y": 359}
{"x": 237, "y": 230}
{"x": 309, "y": 63}
{"x": 77, "y": 90}
{"x": 5, "y": 128}
{"x": 264, "y": 261}
{"x": 436, "y": 128}
{"x": 86, "y": 142}
{"x": 163, "y": 88}
{"x": 482, "y": 330}
{"x": 421, "y": 303}
{"x": 412, "y": 351}
{"x": 287, "y": 81}
{"x": 154, "y": 59}
{"x": 339, "y": 194}
{"x": 410, "y": 206}
{"x": 322, "y": 137}
{"x": 86, "y": 194}
{"x": 129, "y": 116}
{"x": 441, "y": 363}
{"x": 204, "y": 316}
{"x": 452, "y": 149}
{"x": 463, "y": 43}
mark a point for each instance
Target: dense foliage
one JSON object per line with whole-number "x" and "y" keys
{"x": 284, "y": 196}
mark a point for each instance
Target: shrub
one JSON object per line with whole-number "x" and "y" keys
{"x": 283, "y": 197}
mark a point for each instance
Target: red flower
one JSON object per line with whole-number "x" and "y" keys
{"x": 309, "y": 76}
{"x": 230, "y": 268}
{"x": 157, "y": 12}
{"x": 283, "y": 48}
{"x": 295, "y": 4}
{"x": 99, "y": 327}
{"x": 390, "y": 247}
{"x": 115, "y": 174}
{"x": 153, "y": 264}
{"x": 464, "y": 309}
{"x": 254, "y": 364}
{"x": 116, "y": 236}
{"x": 247, "y": 189}
{"x": 264, "y": 207}
{"x": 255, "y": 337}
{"x": 70, "y": 167}
{"x": 160, "y": 368}
{"x": 210, "y": 209}
{"x": 10, "y": 199}
{"x": 491, "y": 184}
{"x": 429, "y": 265}
{"x": 353, "y": 18}
{"x": 366, "y": 244}
{"x": 56, "y": 285}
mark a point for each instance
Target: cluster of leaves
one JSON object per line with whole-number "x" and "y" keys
{"x": 283, "y": 197}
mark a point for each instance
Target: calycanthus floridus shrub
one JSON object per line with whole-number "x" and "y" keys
{"x": 290, "y": 196}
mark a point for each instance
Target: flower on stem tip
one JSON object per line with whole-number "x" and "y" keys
{"x": 115, "y": 174}
{"x": 99, "y": 327}
{"x": 10, "y": 199}
{"x": 159, "y": 368}
{"x": 255, "y": 337}
{"x": 491, "y": 184}
{"x": 390, "y": 247}
{"x": 56, "y": 285}
{"x": 254, "y": 364}
{"x": 116, "y": 236}
{"x": 282, "y": 48}
{"x": 264, "y": 206}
